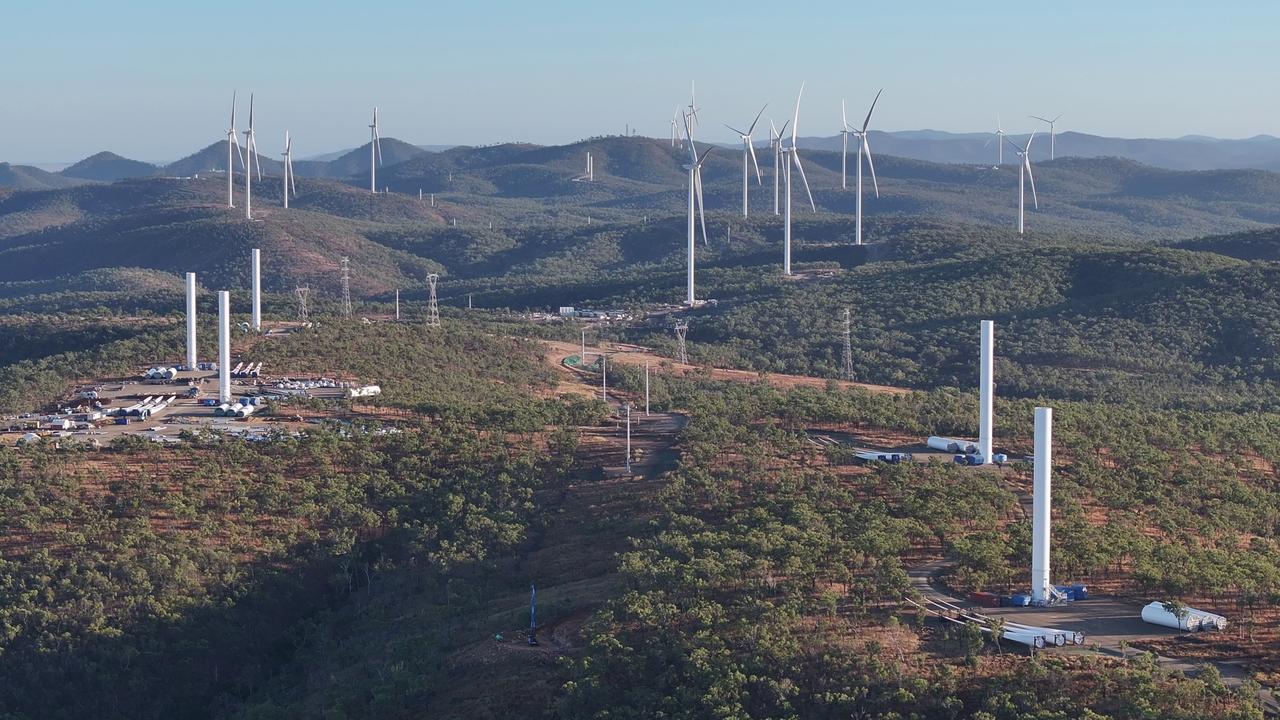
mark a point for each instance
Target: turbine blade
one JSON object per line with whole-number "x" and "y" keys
{"x": 233, "y": 111}
{"x": 753, "y": 122}
{"x": 377, "y": 144}
{"x": 795, "y": 122}
{"x": 759, "y": 177}
{"x": 705, "y": 153}
{"x": 867, "y": 122}
{"x": 844, "y": 117}
{"x": 736, "y": 130}
{"x": 1032, "y": 178}
{"x": 1037, "y": 117}
{"x": 702, "y": 213}
{"x": 866, "y": 149}
{"x": 795, "y": 157}
{"x": 239, "y": 152}
{"x": 1029, "y": 140}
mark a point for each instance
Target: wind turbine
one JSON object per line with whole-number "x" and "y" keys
{"x": 749, "y": 150}
{"x": 693, "y": 105}
{"x": 251, "y": 163}
{"x": 675, "y": 127}
{"x": 1052, "y": 132}
{"x": 792, "y": 156}
{"x": 375, "y": 153}
{"x": 775, "y": 143}
{"x": 864, "y": 147}
{"x": 1024, "y": 174}
{"x": 695, "y": 194}
{"x": 232, "y": 142}
{"x": 1000, "y": 133}
{"x": 290, "y": 188}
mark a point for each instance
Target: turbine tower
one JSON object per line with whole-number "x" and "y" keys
{"x": 224, "y": 346}
{"x": 256, "y": 281}
{"x": 695, "y": 194}
{"x": 864, "y": 147}
{"x": 290, "y": 188}
{"x": 375, "y": 153}
{"x": 191, "y": 321}
{"x": 847, "y": 354}
{"x": 999, "y": 141}
{"x": 1042, "y": 487}
{"x": 986, "y": 387}
{"x": 233, "y": 142}
{"x": 251, "y": 163}
{"x": 1052, "y": 131}
{"x": 748, "y": 150}
{"x": 775, "y": 144}
{"x": 345, "y": 267}
{"x": 1024, "y": 174}
{"x": 792, "y": 157}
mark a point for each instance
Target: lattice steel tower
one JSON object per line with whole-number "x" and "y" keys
{"x": 302, "y": 293}
{"x": 433, "y": 310}
{"x": 848, "y": 345}
{"x": 682, "y": 350}
{"x": 346, "y": 286}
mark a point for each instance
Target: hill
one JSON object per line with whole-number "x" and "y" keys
{"x": 356, "y": 162}
{"x": 25, "y": 177}
{"x": 1187, "y": 153}
{"x": 108, "y": 167}
{"x": 184, "y": 225}
{"x": 213, "y": 158}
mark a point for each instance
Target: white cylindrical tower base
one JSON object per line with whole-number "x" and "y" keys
{"x": 191, "y": 321}
{"x": 986, "y": 388}
{"x": 257, "y": 290}
{"x": 1041, "y": 494}
{"x": 224, "y": 346}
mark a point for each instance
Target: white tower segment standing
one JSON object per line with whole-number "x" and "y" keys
{"x": 191, "y": 321}
{"x": 864, "y": 147}
{"x": 256, "y": 263}
{"x": 252, "y": 163}
{"x": 224, "y": 346}
{"x": 748, "y": 151}
{"x": 986, "y": 388}
{"x": 792, "y": 157}
{"x": 1024, "y": 174}
{"x": 695, "y": 195}
{"x": 233, "y": 142}
{"x": 1041, "y": 590}
{"x": 375, "y": 153}
{"x": 290, "y": 187}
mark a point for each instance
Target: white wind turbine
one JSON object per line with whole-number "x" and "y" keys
{"x": 748, "y": 151}
{"x": 794, "y": 159}
{"x": 290, "y": 188}
{"x": 375, "y": 153}
{"x": 232, "y": 142}
{"x": 775, "y": 144}
{"x": 1052, "y": 131}
{"x": 252, "y": 163}
{"x": 695, "y": 194}
{"x": 864, "y": 148}
{"x": 675, "y": 127}
{"x": 1000, "y": 133}
{"x": 693, "y": 104}
{"x": 1024, "y": 174}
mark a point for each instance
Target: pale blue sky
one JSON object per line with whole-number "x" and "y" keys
{"x": 153, "y": 80}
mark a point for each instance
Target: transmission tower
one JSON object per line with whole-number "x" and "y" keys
{"x": 848, "y": 346}
{"x": 682, "y": 351}
{"x": 433, "y": 311}
{"x": 302, "y": 293}
{"x": 346, "y": 286}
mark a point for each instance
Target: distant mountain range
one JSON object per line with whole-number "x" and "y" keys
{"x": 1186, "y": 153}
{"x": 1191, "y": 152}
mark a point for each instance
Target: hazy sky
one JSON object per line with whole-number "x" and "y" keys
{"x": 152, "y": 80}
